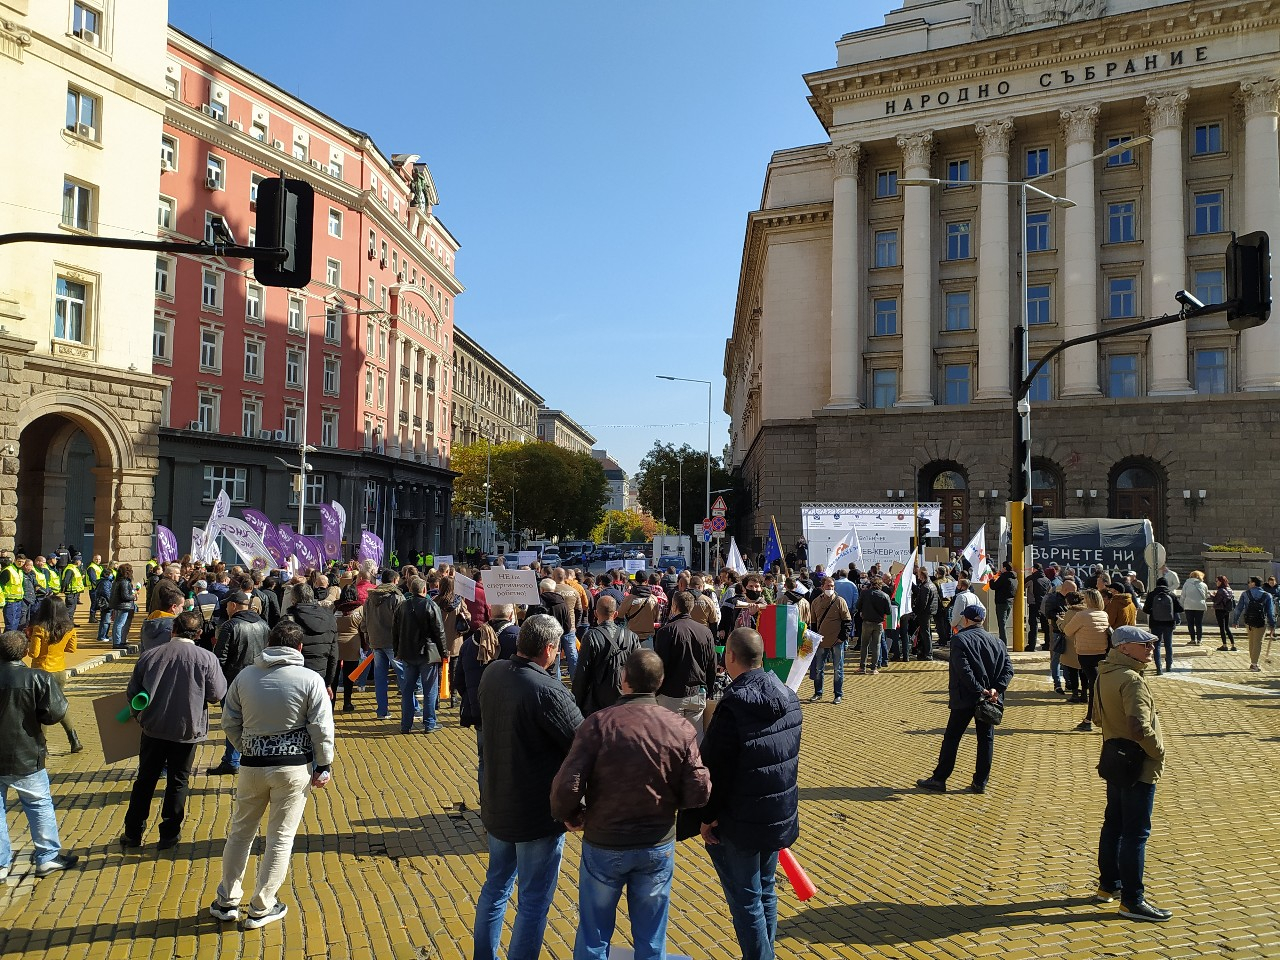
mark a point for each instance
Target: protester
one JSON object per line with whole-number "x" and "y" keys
{"x": 1162, "y": 609}
{"x": 53, "y": 636}
{"x": 1088, "y": 634}
{"x": 1256, "y": 611}
{"x": 833, "y": 621}
{"x": 687, "y": 650}
{"x": 873, "y": 609}
{"x": 379, "y": 620}
{"x": 181, "y": 680}
{"x": 278, "y": 715}
{"x": 1195, "y": 601}
{"x": 639, "y": 611}
{"x": 1224, "y": 601}
{"x": 632, "y": 766}
{"x": 124, "y": 604}
{"x": 597, "y": 683}
{"x": 319, "y": 634}
{"x": 479, "y": 649}
{"x": 242, "y": 636}
{"x": 418, "y": 641}
{"x": 166, "y": 602}
{"x": 348, "y": 615}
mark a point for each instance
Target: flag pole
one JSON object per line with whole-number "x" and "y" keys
{"x": 777, "y": 538}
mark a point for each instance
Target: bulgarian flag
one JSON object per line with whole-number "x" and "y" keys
{"x": 780, "y": 626}
{"x": 901, "y": 605}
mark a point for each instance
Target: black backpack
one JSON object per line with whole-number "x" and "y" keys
{"x": 1255, "y": 614}
{"x": 1162, "y": 608}
{"x": 609, "y": 669}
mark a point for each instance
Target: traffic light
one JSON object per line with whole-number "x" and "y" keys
{"x": 285, "y": 219}
{"x": 1248, "y": 280}
{"x": 922, "y": 531}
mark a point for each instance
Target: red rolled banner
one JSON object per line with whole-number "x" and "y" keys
{"x": 800, "y": 881}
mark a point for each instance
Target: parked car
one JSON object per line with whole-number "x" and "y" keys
{"x": 609, "y": 553}
{"x": 675, "y": 562}
{"x": 551, "y": 559}
{"x": 634, "y": 555}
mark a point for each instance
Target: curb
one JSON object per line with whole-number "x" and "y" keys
{"x": 95, "y": 662}
{"x": 1042, "y": 656}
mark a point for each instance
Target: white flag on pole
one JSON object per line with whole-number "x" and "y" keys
{"x": 734, "y": 562}
{"x": 847, "y": 551}
{"x": 976, "y": 555}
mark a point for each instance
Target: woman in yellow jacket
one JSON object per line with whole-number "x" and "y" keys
{"x": 53, "y": 636}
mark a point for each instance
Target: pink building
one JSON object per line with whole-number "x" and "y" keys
{"x": 356, "y": 364}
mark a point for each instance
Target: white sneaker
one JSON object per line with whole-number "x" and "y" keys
{"x": 224, "y": 911}
{"x": 251, "y": 922}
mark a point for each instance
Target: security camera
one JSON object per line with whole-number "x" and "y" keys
{"x": 1187, "y": 300}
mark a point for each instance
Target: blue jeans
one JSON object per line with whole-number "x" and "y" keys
{"x": 537, "y": 864}
{"x": 956, "y": 726}
{"x": 820, "y": 657}
{"x": 410, "y": 674}
{"x": 1055, "y": 662}
{"x": 120, "y": 620}
{"x": 747, "y": 877}
{"x": 1122, "y": 845}
{"x": 569, "y": 647}
{"x": 646, "y": 874}
{"x": 1164, "y": 638}
{"x": 37, "y": 802}
{"x": 104, "y": 625}
{"x": 384, "y": 662}
{"x": 14, "y": 613}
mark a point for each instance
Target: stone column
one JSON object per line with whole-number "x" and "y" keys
{"x": 916, "y": 252}
{"x": 411, "y": 395}
{"x": 1167, "y": 245}
{"x": 1079, "y": 281}
{"x": 994, "y": 332}
{"x": 393, "y": 390}
{"x": 1259, "y": 202}
{"x": 846, "y": 291}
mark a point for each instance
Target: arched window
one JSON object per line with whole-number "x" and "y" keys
{"x": 1137, "y": 494}
{"x": 947, "y": 483}
{"x": 1046, "y": 487}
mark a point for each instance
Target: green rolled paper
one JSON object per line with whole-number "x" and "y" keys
{"x": 136, "y": 705}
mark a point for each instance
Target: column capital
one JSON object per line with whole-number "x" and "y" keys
{"x": 995, "y": 136}
{"x": 1165, "y": 109}
{"x": 1259, "y": 96}
{"x": 845, "y": 158}
{"x": 917, "y": 149}
{"x": 1079, "y": 123}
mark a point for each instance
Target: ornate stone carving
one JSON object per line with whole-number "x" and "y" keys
{"x": 845, "y": 158}
{"x": 917, "y": 149}
{"x": 1259, "y": 96}
{"x": 997, "y": 18}
{"x": 1079, "y": 123}
{"x": 1165, "y": 109}
{"x": 995, "y": 136}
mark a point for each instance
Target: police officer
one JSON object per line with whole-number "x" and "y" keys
{"x": 72, "y": 585}
{"x": 94, "y": 573}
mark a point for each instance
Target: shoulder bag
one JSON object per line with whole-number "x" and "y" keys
{"x": 1121, "y": 761}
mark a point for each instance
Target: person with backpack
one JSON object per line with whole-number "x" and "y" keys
{"x": 597, "y": 682}
{"x": 1224, "y": 601}
{"x": 1258, "y": 612}
{"x": 639, "y": 611}
{"x": 1162, "y": 609}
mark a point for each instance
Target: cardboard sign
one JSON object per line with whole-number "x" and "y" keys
{"x": 120, "y": 741}
{"x": 510, "y": 586}
{"x": 444, "y": 560}
{"x": 612, "y": 565}
{"x": 633, "y": 566}
{"x": 525, "y": 558}
{"x": 464, "y": 587}
{"x": 948, "y": 589}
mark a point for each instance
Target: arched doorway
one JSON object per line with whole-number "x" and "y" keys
{"x": 1136, "y": 494}
{"x": 59, "y": 484}
{"x": 948, "y": 484}
{"x": 1046, "y": 488}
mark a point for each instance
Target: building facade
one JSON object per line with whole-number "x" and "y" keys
{"x": 556, "y": 426}
{"x": 871, "y": 345}
{"x": 489, "y": 400}
{"x": 83, "y": 109}
{"x": 617, "y": 477}
{"x": 356, "y": 366}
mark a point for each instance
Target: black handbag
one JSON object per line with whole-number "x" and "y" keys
{"x": 1121, "y": 761}
{"x": 989, "y": 712}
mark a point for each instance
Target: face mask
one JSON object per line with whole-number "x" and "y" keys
{"x": 753, "y": 594}
{"x": 829, "y": 593}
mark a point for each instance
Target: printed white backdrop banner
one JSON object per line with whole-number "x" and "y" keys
{"x": 884, "y": 530}
{"x": 510, "y": 586}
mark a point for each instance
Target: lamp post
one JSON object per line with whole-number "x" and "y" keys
{"x": 706, "y": 547}
{"x": 486, "y": 537}
{"x": 680, "y": 496}
{"x": 1020, "y": 492}
{"x": 664, "y": 500}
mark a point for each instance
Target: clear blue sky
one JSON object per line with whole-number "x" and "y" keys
{"x": 596, "y": 160}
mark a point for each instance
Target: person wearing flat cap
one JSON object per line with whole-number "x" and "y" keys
{"x": 980, "y": 671}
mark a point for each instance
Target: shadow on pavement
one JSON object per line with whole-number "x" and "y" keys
{"x": 851, "y": 793}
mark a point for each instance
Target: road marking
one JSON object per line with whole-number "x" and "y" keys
{"x": 1243, "y": 688}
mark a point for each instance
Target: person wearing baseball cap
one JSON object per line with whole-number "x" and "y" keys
{"x": 1124, "y": 707}
{"x": 980, "y": 672}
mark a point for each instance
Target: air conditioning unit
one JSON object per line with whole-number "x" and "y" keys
{"x": 383, "y": 263}
{"x": 196, "y": 425}
{"x": 206, "y": 109}
{"x": 280, "y": 436}
{"x": 88, "y": 36}
{"x": 84, "y": 130}
{"x": 264, "y": 434}
{"x": 236, "y": 124}
{"x": 212, "y": 183}
{"x": 278, "y": 144}
{"x": 373, "y": 254}
{"x": 317, "y": 164}
{"x": 166, "y": 166}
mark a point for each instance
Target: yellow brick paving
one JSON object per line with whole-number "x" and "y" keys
{"x": 390, "y": 858}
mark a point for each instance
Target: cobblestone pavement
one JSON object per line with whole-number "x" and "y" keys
{"x": 389, "y": 859}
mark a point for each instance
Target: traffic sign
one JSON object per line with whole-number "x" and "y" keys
{"x": 706, "y": 537}
{"x": 718, "y": 507}
{"x": 718, "y": 524}
{"x": 706, "y": 524}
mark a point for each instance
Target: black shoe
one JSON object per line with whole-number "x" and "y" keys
{"x": 167, "y": 843}
{"x": 838, "y": 699}
{"x": 1144, "y": 911}
{"x": 977, "y": 788}
{"x": 1057, "y": 689}
{"x": 815, "y": 698}
{"x": 348, "y": 707}
{"x": 223, "y": 770}
{"x": 932, "y": 785}
{"x": 128, "y": 842}
{"x": 1223, "y": 647}
{"x": 1085, "y": 726}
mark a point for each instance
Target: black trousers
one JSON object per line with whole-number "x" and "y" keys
{"x": 154, "y": 756}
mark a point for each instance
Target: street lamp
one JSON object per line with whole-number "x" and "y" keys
{"x": 1020, "y": 494}
{"x": 664, "y": 500}
{"x": 488, "y": 478}
{"x": 706, "y": 546}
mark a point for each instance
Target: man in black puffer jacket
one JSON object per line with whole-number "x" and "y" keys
{"x": 319, "y": 634}
{"x": 417, "y": 639}
{"x": 752, "y": 748}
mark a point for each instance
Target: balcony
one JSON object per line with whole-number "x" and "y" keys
{"x": 431, "y": 384}
{"x": 404, "y": 416}
{"x": 417, "y": 379}
{"x": 417, "y": 421}
{"x": 404, "y": 373}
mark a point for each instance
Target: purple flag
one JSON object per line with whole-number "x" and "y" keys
{"x": 332, "y": 542}
{"x": 370, "y": 547}
{"x": 308, "y": 553}
{"x": 167, "y": 545}
{"x": 287, "y": 537}
{"x": 246, "y": 542}
{"x": 266, "y": 530}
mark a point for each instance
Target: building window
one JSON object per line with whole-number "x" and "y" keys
{"x": 1208, "y": 212}
{"x": 293, "y": 367}
{"x": 211, "y": 289}
{"x": 958, "y": 240}
{"x": 295, "y": 315}
{"x": 333, "y": 273}
{"x": 234, "y": 480}
{"x": 253, "y": 360}
{"x": 1122, "y": 159}
{"x": 161, "y": 333}
{"x": 1206, "y": 139}
{"x": 1122, "y": 375}
{"x": 255, "y": 180}
{"x": 215, "y": 227}
{"x": 1038, "y": 232}
{"x": 332, "y": 366}
{"x": 1211, "y": 371}
{"x": 82, "y": 113}
{"x": 299, "y": 151}
{"x": 168, "y": 152}
{"x": 207, "y": 407}
{"x": 1120, "y": 222}
{"x": 955, "y": 384}
{"x": 333, "y": 323}
{"x": 1038, "y": 301}
{"x": 368, "y": 337}
{"x": 335, "y": 223}
{"x": 886, "y": 248}
{"x": 77, "y": 205}
{"x": 166, "y": 214}
{"x": 958, "y": 311}
{"x": 1210, "y": 286}
{"x": 884, "y": 389}
{"x": 958, "y": 172}
{"x": 335, "y": 169}
{"x": 253, "y": 304}
{"x": 252, "y": 239}
{"x": 382, "y": 391}
{"x": 251, "y": 418}
{"x": 1041, "y": 389}
{"x": 1122, "y": 297}
{"x": 372, "y": 288}
{"x": 329, "y": 428}
{"x": 292, "y": 418}
{"x": 1037, "y": 161}
{"x": 382, "y": 344}
{"x": 315, "y": 491}
{"x": 215, "y": 172}
{"x": 258, "y": 130}
{"x": 86, "y": 23}
{"x": 886, "y": 185}
{"x": 218, "y": 110}
{"x": 368, "y": 386}
{"x": 210, "y": 350}
{"x": 885, "y": 312}
{"x": 71, "y": 310}
{"x": 164, "y": 277}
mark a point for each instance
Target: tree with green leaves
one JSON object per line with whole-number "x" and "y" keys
{"x": 628, "y": 526}
{"x": 686, "y": 500}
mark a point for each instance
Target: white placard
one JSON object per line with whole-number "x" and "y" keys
{"x": 444, "y": 560}
{"x": 525, "y": 558}
{"x": 510, "y": 586}
{"x": 633, "y": 566}
{"x": 948, "y": 589}
{"x": 464, "y": 587}
{"x": 612, "y": 565}
{"x": 800, "y": 665}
